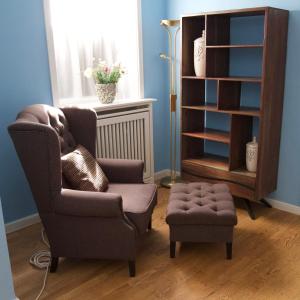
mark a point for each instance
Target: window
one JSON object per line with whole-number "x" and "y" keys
{"x": 81, "y": 31}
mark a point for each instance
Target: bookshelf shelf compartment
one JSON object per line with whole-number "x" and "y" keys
{"x": 234, "y": 46}
{"x": 210, "y": 160}
{"x": 210, "y": 135}
{"x": 244, "y": 111}
{"x": 217, "y": 162}
{"x": 244, "y": 172}
{"x": 241, "y": 79}
{"x": 245, "y": 64}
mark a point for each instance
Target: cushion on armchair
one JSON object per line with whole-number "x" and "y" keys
{"x": 82, "y": 171}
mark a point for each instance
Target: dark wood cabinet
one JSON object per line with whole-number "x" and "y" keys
{"x": 245, "y": 58}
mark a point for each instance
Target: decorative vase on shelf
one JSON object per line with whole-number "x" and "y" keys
{"x": 200, "y": 55}
{"x": 251, "y": 155}
{"x": 106, "y": 92}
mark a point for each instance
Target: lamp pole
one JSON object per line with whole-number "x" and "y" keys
{"x": 171, "y": 58}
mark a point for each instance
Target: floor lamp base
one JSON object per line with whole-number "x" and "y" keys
{"x": 167, "y": 182}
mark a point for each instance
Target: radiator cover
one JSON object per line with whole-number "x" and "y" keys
{"x": 127, "y": 134}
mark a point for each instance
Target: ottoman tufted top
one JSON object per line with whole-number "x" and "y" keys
{"x": 201, "y": 203}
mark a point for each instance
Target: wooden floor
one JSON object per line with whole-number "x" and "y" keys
{"x": 265, "y": 265}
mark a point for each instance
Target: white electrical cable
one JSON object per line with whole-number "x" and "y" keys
{"x": 41, "y": 260}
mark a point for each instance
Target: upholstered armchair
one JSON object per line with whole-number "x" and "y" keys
{"x": 81, "y": 224}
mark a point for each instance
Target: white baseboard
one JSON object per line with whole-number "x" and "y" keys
{"x": 294, "y": 209}
{"x": 149, "y": 179}
{"x": 22, "y": 223}
{"x": 161, "y": 174}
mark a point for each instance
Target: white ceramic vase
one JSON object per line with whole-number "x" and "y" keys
{"x": 251, "y": 155}
{"x": 200, "y": 55}
{"x": 106, "y": 92}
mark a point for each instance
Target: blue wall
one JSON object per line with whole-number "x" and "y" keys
{"x": 24, "y": 80}
{"x": 289, "y": 172}
{"x": 156, "y": 76}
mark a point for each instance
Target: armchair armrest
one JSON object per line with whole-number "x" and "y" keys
{"x": 88, "y": 204}
{"x": 123, "y": 170}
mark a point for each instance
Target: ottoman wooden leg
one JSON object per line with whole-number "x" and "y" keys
{"x": 53, "y": 264}
{"x": 229, "y": 250}
{"x": 172, "y": 249}
{"x": 150, "y": 225}
{"x": 131, "y": 268}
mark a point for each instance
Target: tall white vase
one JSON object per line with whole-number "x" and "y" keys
{"x": 200, "y": 55}
{"x": 251, "y": 155}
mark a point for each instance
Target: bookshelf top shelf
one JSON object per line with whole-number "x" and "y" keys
{"x": 235, "y": 46}
{"x": 244, "y": 12}
{"x": 242, "y": 79}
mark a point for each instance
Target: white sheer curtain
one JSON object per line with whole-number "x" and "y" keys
{"x": 83, "y": 30}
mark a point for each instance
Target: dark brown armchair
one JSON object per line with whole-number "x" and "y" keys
{"x": 80, "y": 224}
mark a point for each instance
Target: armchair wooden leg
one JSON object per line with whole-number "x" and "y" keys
{"x": 150, "y": 225}
{"x": 172, "y": 249}
{"x": 53, "y": 264}
{"x": 131, "y": 266}
{"x": 229, "y": 250}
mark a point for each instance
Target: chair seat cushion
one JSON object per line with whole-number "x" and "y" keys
{"x": 139, "y": 201}
{"x": 201, "y": 203}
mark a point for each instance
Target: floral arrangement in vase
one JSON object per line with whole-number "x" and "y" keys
{"x": 106, "y": 78}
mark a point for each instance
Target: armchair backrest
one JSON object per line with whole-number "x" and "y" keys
{"x": 41, "y": 134}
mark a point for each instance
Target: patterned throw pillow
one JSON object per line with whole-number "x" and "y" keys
{"x": 82, "y": 171}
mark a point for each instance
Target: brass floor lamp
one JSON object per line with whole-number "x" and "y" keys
{"x": 171, "y": 58}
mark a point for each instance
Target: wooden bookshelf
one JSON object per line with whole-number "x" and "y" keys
{"x": 196, "y": 162}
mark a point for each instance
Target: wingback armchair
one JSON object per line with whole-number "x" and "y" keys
{"x": 81, "y": 224}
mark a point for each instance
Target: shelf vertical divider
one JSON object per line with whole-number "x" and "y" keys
{"x": 240, "y": 135}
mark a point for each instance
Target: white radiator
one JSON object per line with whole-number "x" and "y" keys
{"x": 127, "y": 134}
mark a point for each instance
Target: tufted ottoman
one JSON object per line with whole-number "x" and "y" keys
{"x": 201, "y": 212}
